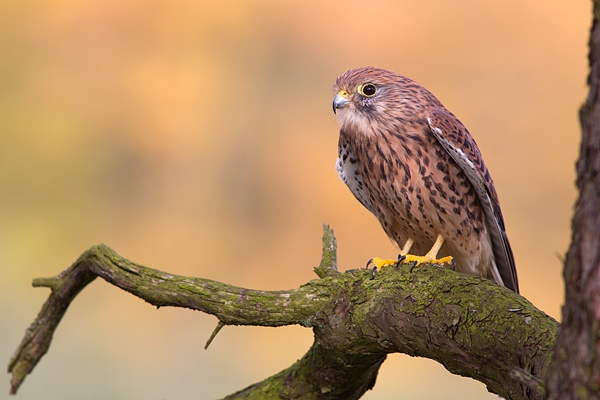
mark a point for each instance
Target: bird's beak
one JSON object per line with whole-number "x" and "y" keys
{"x": 340, "y": 100}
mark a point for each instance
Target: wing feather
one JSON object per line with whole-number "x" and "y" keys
{"x": 456, "y": 140}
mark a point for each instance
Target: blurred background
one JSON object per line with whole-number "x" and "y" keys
{"x": 197, "y": 137}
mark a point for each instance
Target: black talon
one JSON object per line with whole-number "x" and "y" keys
{"x": 414, "y": 264}
{"x": 453, "y": 264}
{"x": 369, "y": 263}
{"x": 373, "y": 272}
{"x": 401, "y": 258}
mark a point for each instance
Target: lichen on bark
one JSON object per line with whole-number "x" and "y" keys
{"x": 470, "y": 325}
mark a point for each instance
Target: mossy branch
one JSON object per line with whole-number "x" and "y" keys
{"x": 472, "y": 326}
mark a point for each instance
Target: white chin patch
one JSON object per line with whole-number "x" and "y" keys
{"x": 350, "y": 120}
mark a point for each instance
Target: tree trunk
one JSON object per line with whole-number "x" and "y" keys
{"x": 575, "y": 372}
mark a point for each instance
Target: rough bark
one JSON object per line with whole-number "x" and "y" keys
{"x": 472, "y": 326}
{"x": 575, "y": 373}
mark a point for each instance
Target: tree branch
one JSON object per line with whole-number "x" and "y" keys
{"x": 472, "y": 326}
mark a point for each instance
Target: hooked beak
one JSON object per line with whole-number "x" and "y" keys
{"x": 340, "y": 100}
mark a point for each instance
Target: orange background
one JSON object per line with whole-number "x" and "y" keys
{"x": 198, "y": 138}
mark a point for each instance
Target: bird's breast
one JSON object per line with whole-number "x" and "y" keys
{"x": 417, "y": 190}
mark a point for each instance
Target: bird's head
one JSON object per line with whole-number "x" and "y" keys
{"x": 360, "y": 91}
{"x": 368, "y": 98}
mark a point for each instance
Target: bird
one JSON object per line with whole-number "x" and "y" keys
{"x": 415, "y": 166}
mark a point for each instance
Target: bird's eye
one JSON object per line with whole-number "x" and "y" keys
{"x": 367, "y": 90}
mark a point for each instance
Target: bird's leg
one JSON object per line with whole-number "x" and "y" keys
{"x": 379, "y": 263}
{"x": 405, "y": 258}
{"x": 406, "y": 247}
{"x": 431, "y": 255}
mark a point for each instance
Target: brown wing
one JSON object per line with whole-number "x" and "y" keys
{"x": 458, "y": 143}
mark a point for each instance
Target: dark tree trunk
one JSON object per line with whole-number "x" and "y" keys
{"x": 575, "y": 373}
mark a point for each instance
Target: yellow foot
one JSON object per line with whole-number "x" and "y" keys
{"x": 411, "y": 259}
{"x": 430, "y": 257}
{"x": 379, "y": 263}
{"x": 427, "y": 259}
{"x": 405, "y": 258}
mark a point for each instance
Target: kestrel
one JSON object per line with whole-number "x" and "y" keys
{"x": 415, "y": 166}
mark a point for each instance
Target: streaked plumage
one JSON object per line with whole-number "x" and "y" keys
{"x": 415, "y": 166}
